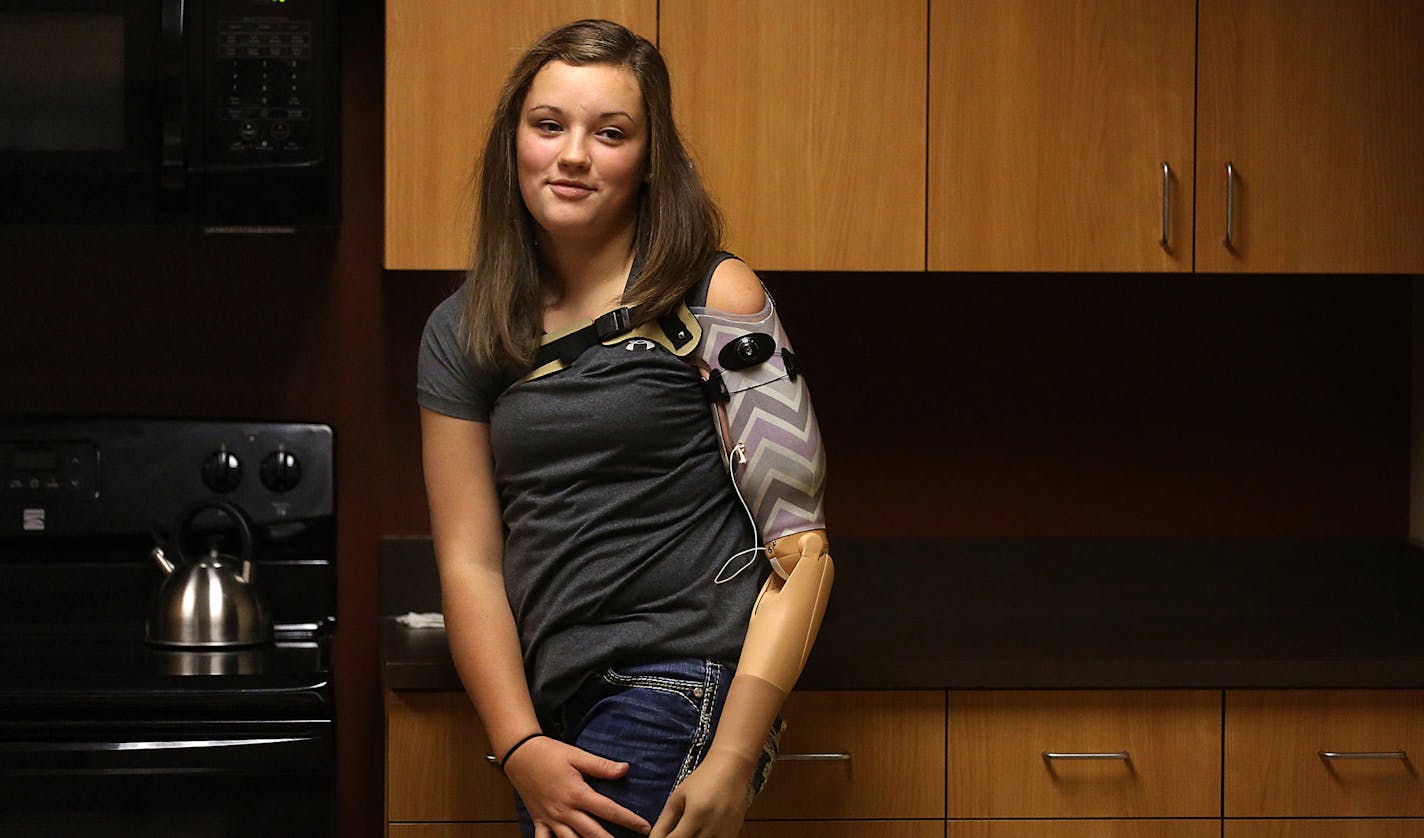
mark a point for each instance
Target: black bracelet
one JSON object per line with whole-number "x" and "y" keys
{"x": 512, "y": 748}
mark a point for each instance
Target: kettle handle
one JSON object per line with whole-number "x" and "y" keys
{"x": 232, "y": 511}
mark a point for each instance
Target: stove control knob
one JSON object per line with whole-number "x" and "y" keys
{"x": 222, "y": 471}
{"x": 281, "y": 470}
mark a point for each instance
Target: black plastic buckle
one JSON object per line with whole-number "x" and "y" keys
{"x": 715, "y": 389}
{"x": 613, "y": 323}
{"x": 793, "y": 368}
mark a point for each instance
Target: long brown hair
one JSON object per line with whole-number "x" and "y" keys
{"x": 679, "y": 228}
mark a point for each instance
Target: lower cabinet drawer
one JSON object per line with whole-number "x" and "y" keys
{"x": 1325, "y": 828}
{"x": 1324, "y": 753}
{"x": 1085, "y": 829}
{"x": 862, "y": 755}
{"x": 1085, "y": 754}
{"x": 843, "y": 829}
{"x": 452, "y": 830}
{"x": 436, "y": 768}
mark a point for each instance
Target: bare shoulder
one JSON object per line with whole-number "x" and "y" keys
{"x": 735, "y": 289}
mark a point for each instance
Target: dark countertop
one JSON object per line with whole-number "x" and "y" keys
{"x": 1061, "y": 614}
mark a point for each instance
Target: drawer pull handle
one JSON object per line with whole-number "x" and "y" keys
{"x": 1119, "y": 755}
{"x": 1404, "y": 755}
{"x": 1230, "y": 205}
{"x": 1166, "y": 204}
{"x": 492, "y": 760}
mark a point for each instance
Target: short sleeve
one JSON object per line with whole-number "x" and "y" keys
{"x": 447, "y": 379}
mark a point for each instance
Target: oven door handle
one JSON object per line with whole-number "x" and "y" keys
{"x": 284, "y": 754}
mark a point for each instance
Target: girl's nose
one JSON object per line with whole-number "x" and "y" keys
{"x": 573, "y": 154}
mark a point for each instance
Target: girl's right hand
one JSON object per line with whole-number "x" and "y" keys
{"x": 549, "y": 776}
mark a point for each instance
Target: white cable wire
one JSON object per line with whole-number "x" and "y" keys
{"x": 739, "y": 451}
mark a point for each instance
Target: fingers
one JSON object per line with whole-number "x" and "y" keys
{"x": 609, "y": 810}
{"x": 552, "y": 779}
{"x": 671, "y": 814}
{"x": 592, "y": 765}
{"x": 580, "y": 827}
{"x": 577, "y": 824}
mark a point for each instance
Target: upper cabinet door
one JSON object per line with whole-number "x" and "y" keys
{"x": 1051, "y": 122}
{"x": 807, "y": 121}
{"x": 445, "y": 63}
{"x": 1317, "y": 107}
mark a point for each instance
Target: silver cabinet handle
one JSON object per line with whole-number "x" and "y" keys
{"x": 1120, "y": 755}
{"x": 1230, "y": 204}
{"x": 1404, "y": 755}
{"x": 1166, "y": 203}
{"x": 492, "y": 760}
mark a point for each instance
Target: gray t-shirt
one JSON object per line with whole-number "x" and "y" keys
{"x": 617, "y": 506}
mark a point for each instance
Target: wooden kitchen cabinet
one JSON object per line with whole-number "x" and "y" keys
{"x": 1026, "y": 754}
{"x": 807, "y": 121}
{"x": 437, "y": 771}
{"x": 1317, "y": 107}
{"x": 1275, "y": 741}
{"x": 445, "y": 63}
{"x": 1136, "y": 828}
{"x": 436, "y": 766}
{"x": 975, "y": 135}
{"x": 893, "y": 765}
{"x": 1050, "y": 122}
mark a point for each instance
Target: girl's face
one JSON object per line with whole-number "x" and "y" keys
{"x": 582, "y": 149}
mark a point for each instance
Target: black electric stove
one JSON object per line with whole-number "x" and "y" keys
{"x": 105, "y": 734}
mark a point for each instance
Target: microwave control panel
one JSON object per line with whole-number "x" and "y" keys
{"x": 268, "y": 154}
{"x": 268, "y": 86}
{"x": 268, "y": 73}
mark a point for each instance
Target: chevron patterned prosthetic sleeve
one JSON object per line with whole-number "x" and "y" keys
{"x": 769, "y": 418}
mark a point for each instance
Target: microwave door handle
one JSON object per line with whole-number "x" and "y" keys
{"x": 173, "y": 95}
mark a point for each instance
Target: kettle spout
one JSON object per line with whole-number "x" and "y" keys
{"x": 162, "y": 560}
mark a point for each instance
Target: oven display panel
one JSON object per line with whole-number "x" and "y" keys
{"x": 44, "y": 472}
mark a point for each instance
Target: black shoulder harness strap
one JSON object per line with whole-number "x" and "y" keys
{"x": 677, "y": 331}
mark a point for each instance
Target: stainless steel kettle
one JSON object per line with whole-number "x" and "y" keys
{"x": 212, "y": 601}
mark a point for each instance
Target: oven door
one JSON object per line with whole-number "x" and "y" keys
{"x": 91, "y": 108}
{"x": 239, "y": 780}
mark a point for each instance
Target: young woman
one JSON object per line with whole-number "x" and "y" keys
{"x": 579, "y": 494}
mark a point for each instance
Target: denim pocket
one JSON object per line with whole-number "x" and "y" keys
{"x": 682, "y": 696}
{"x": 660, "y": 678}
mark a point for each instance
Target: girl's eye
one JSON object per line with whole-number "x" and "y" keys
{"x": 547, "y": 126}
{"x": 611, "y": 134}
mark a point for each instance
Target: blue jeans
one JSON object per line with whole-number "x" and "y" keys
{"x": 657, "y": 717}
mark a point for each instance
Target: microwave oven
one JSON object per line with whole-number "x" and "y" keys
{"x": 213, "y": 114}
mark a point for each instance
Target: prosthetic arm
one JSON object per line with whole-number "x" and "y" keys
{"x": 779, "y": 467}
